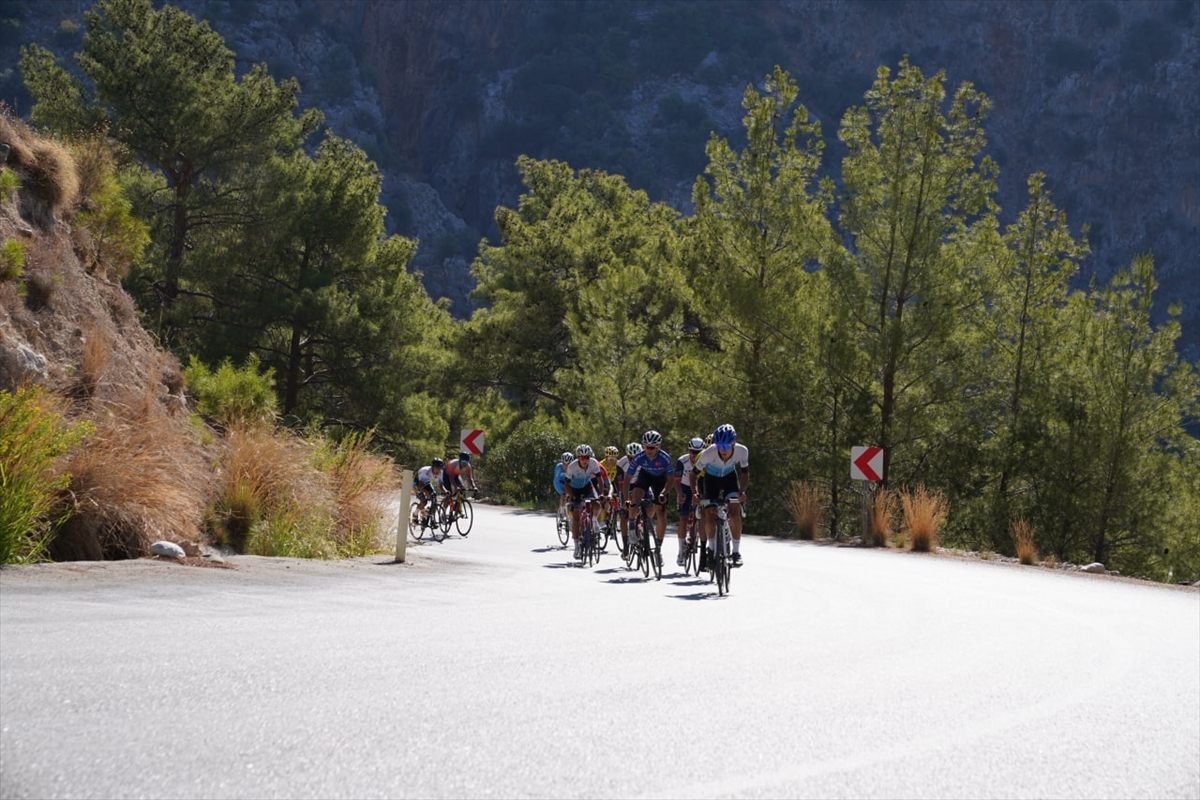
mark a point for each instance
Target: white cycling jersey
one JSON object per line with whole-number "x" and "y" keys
{"x": 709, "y": 462}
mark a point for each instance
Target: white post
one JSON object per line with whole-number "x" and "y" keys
{"x": 406, "y": 478}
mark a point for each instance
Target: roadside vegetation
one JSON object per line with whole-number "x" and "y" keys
{"x": 889, "y": 306}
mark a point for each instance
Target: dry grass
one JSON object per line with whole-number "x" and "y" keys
{"x": 923, "y": 512}
{"x": 805, "y": 504}
{"x": 271, "y": 500}
{"x": 881, "y": 517}
{"x": 1051, "y": 562}
{"x": 138, "y": 479}
{"x": 1022, "y": 534}
{"x": 46, "y": 169}
{"x": 94, "y": 362}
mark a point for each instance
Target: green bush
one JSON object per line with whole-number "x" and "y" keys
{"x": 12, "y": 260}
{"x": 231, "y": 395}
{"x": 33, "y": 434}
{"x": 522, "y": 466}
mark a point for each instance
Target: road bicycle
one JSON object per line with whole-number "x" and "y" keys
{"x": 458, "y": 512}
{"x": 720, "y": 559}
{"x": 431, "y": 521}
{"x": 691, "y": 544}
{"x": 611, "y": 526}
{"x": 644, "y": 547}
{"x": 589, "y": 536}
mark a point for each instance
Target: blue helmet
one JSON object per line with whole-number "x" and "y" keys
{"x": 724, "y": 436}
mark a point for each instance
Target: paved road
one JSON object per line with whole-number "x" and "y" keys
{"x": 491, "y": 667}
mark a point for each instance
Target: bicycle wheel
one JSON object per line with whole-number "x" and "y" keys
{"x": 439, "y": 524}
{"x": 594, "y": 539}
{"x": 415, "y": 528}
{"x": 564, "y": 529}
{"x": 446, "y": 517}
{"x": 645, "y": 549}
{"x": 606, "y": 533}
{"x": 721, "y": 560}
{"x": 465, "y": 518}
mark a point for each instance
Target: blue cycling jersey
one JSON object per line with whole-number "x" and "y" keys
{"x": 560, "y": 476}
{"x": 661, "y": 464}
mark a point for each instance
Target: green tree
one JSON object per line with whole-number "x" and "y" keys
{"x": 917, "y": 214}
{"x": 760, "y": 220}
{"x": 165, "y": 87}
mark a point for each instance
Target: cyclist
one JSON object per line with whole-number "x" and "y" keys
{"x": 623, "y": 476}
{"x": 684, "y": 493}
{"x": 560, "y": 478}
{"x": 725, "y": 467}
{"x": 582, "y": 486}
{"x": 452, "y": 476}
{"x": 609, "y": 465}
{"x": 653, "y": 475}
{"x": 425, "y": 483}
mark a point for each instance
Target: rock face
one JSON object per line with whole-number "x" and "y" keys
{"x": 1101, "y": 96}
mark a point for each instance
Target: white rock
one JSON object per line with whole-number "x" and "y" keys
{"x": 168, "y": 549}
{"x": 1095, "y": 566}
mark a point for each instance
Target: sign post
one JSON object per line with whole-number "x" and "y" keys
{"x": 406, "y": 479}
{"x": 866, "y": 465}
{"x": 471, "y": 441}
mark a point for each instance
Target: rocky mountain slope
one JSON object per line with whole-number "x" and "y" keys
{"x": 1101, "y": 96}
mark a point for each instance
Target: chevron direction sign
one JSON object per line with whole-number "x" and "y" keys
{"x": 472, "y": 441}
{"x": 866, "y": 463}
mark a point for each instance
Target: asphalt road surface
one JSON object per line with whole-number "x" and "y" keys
{"x": 492, "y": 667}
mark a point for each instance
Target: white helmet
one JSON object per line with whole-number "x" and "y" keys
{"x": 651, "y": 438}
{"x": 583, "y": 451}
{"x": 566, "y": 457}
{"x": 632, "y": 449}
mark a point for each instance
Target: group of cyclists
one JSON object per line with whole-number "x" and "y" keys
{"x": 713, "y": 471}
{"x": 444, "y": 478}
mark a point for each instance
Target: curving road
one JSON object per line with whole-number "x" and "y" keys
{"x": 491, "y": 667}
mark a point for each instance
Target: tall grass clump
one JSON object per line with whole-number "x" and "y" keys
{"x": 805, "y": 504}
{"x": 33, "y": 435}
{"x": 1022, "y": 536}
{"x": 923, "y": 514}
{"x": 361, "y": 482}
{"x": 271, "y": 500}
{"x": 140, "y": 477}
{"x": 881, "y": 514}
{"x": 12, "y": 259}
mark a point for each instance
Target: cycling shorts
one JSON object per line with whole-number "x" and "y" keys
{"x": 576, "y": 497}
{"x": 652, "y": 485}
{"x": 426, "y": 491}
{"x": 718, "y": 489}
{"x": 686, "y": 507}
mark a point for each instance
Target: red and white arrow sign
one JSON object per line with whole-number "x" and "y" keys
{"x": 866, "y": 463}
{"x": 472, "y": 441}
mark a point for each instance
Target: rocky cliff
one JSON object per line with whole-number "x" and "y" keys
{"x": 1101, "y": 96}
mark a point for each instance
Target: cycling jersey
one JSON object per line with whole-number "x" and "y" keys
{"x": 425, "y": 476}
{"x": 622, "y": 469}
{"x": 710, "y": 463}
{"x": 612, "y": 467}
{"x": 453, "y": 472}
{"x": 643, "y": 464}
{"x": 579, "y": 475}
{"x": 560, "y": 476}
{"x": 683, "y": 468}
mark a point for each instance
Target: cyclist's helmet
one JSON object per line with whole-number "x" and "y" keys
{"x": 696, "y": 444}
{"x": 724, "y": 436}
{"x": 651, "y": 439}
{"x": 583, "y": 451}
{"x": 464, "y": 458}
{"x": 611, "y": 452}
{"x": 437, "y": 463}
{"x": 566, "y": 457}
{"x": 632, "y": 449}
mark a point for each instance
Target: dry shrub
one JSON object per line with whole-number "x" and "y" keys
{"x": 924, "y": 512}
{"x": 804, "y": 502}
{"x": 138, "y": 479}
{"x": 97, "y": 353}
{"x": 1022, "y": 534}
{"x": 271, "y": 500}
{"x": 49, "y": 179}
{"x": 881, "y": 515}
{"x": 1051, "y": 561}
{"x": 361, "y": 482}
